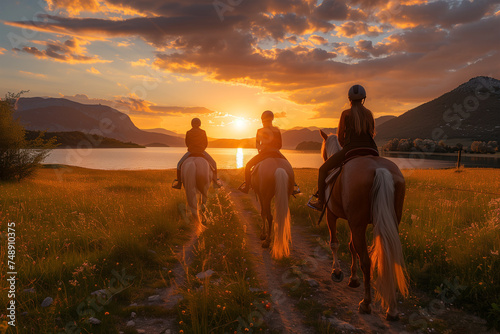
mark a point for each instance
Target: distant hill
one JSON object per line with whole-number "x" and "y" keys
{"x": 297, "y": 135}
{"x": 309, "y": 146}
{"x": 62, "y": 115}
{"x": 76, "y": 139}
{"x": 471, "y": 112}
{"x": 165, "y": 132}
{"x": 232, "y": 143}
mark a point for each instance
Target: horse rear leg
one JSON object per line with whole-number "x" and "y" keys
{"x": 337, "y": 275}
{"x": 354, "y": 279}
{"x": 359, "y": 243}
{"x": 263, "y": 216}
{"x": 269, "y": 217}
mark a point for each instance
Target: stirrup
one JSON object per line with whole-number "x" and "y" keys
{"x": 310, "y": 204}
{"x": 243, "y": 188}
{"x": 217, "y": 183}
{"x": 177, "y": 185}
{"x": 296, "y": 191}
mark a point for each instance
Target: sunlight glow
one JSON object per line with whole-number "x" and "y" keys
{"x": 239, "y": 158}
{"x": 240, "y": 123}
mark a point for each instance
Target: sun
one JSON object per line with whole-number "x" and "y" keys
{"x": 240, "y": 123}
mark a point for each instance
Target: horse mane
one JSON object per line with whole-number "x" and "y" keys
{"x": 330, "y": 146}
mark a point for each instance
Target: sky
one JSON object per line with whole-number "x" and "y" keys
{"x": 164, "y": 62}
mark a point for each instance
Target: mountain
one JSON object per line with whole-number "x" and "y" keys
{"x": 233, "y": 143}
{"x": 165, "y": 132}
{"x": 469, "y": 112}
{"x": 62, "y": 115}
{"x": 76, "y": 139}
{"x": 295, "y": 136}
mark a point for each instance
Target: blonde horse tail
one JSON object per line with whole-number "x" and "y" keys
{"x": 282, "y": 229}
{"x": 386, "y": 253}
{"x": 189, "y": 180}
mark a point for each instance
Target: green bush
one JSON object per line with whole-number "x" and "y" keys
{"x": 19, "y": 157}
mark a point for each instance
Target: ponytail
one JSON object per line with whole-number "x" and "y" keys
{"x": 362, "y": 118}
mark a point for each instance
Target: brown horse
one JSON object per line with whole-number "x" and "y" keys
{"x": 274, "y": 177}
{"x": 369, "y": 190}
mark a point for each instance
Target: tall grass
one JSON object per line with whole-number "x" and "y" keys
{"x": 450, "y": 229}
{"x": 76, "y": 228}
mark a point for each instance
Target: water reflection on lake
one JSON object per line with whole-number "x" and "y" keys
{"x": 227, "y": 158}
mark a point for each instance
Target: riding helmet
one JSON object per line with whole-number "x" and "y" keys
{"x": 357, "y": 92}
{"x": 195, "y": 122}
{"x": 267, "y": 115}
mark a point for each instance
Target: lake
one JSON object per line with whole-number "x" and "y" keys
{"x": 230, "y": 158}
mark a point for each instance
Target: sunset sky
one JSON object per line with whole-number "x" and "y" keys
{"x": 225, "y": 61}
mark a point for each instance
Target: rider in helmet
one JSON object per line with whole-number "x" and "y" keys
{"x": 196, "y": 142}
{"x": 268, "y": 143}
{"x": 356, "y": 129}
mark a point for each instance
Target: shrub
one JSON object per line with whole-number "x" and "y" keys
{"x": 19, "y": 157}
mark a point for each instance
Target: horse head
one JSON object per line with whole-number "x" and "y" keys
{"x": 330, "y": 145}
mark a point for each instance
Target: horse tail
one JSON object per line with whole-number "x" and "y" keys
{"x": 189, "y": 180}
{"x": 282, "y": 229}
{"x": 386, "y": 254}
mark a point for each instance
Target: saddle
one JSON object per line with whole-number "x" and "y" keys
{"x": 350, "y": 155}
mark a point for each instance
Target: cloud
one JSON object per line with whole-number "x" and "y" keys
{"x": 31, "y": 74}
{"x": 70, "y": 51}
{"x": 352, "y": 29}
{"x": 2, "y": 51}
{"x": 93, "y": 70}
{"x": 310, "y": 53}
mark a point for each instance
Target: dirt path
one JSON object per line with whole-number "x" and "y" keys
{"x": 284, "y": 316}
{"x": 314, "y": 252}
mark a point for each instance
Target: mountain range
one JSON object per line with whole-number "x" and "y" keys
{"x": 62, "y": 115}
{"x": 469, "y": 112}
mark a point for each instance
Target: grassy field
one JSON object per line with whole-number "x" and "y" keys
{"x": 77, "y": 229}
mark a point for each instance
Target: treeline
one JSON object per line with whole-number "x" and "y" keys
{"x": 429, "y": 145}
{"x": 77, "y": 139}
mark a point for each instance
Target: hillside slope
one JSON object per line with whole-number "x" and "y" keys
{"x": 62, "y": 115}
{"x": 470, "y": 111}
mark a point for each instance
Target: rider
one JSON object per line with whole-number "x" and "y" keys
{"x": 196, "y": 142}
{"x": 356, "y": 129}
{"x": 268, "y": 143}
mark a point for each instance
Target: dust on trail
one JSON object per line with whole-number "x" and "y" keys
{"x": 167, "y": 297}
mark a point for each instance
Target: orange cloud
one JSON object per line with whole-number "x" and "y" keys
{"x": 93, "y": 70}
{"x": 70, "y": 51}
{"x": 2, "y": 51}
{"x": 31, "y": 74}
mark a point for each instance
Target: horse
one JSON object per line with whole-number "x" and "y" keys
{"x": 196, "y": 177}
{"x": 274, "y": 177}
{"x": 369, "y": 190}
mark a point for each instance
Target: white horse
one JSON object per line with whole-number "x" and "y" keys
{"x": 196, "y": 177}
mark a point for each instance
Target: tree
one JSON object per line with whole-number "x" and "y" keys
{"x": 19, "y": 157}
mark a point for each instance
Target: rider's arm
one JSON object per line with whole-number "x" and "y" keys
{"x": 258, "y": 142}
{"x": 204, "y": 140}
{"x": 187, "y": 139}
{"x": 278, "y": 139}
{"x": 341, "y": 129}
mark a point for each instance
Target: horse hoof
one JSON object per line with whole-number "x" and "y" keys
{"x": 353, "y": 283}
{"x": 337, "y": 277}
{"x": 266, "y": 244}
{"x": 364, "y": 309}
{"x": 262, "y": 237}
{"x": 389, "y": 317}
